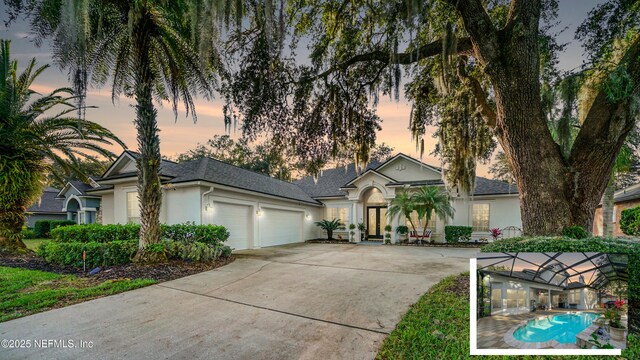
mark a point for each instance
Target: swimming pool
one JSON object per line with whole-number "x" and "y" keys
{"x": 562, "y": 328}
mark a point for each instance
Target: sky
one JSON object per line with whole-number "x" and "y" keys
{"x": 181, "y": 134}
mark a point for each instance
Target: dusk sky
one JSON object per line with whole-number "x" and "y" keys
{"x": 181, "y": 135}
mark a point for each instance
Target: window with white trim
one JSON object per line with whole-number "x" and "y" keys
{"x": 480, "y": 217}
{"x": 496, "y": 297}
{"x": 341, "y": 213}
{"x": 133, "y": 208}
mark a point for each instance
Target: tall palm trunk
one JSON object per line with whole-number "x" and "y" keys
{"x": 148, "y": 164}
{"x": 607, "y": 209}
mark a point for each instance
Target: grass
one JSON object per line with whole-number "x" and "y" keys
{"x": 25, "y": 292}
{"x": 437, "y": 327}
{"x": 33, "y": 244}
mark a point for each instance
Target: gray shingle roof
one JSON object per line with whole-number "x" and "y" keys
{"x": 627, "y": 195}
{"x": 486, "y": 186}
{"x": 219, "y": 172}
{"x": 329, "y": 181}
{"x": 48, "y": 202}
{"x": 80, "y": 186}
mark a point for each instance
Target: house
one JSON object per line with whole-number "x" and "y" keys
{"x": 623, "y": 199}
{"x": 77, "y": 204}
{"x": 523, "y": 282}
{"x": 48, "y": 207}
{"x": 262, "y": 211}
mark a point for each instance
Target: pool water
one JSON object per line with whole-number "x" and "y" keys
{"x": 562, "y": 328}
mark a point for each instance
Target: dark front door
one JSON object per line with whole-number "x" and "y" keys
{"x": 376, "y": 221}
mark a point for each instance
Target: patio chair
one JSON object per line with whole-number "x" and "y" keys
{"x": 414, "y": 237}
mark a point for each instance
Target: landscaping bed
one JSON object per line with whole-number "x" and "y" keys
{"x": 437, "y": 327}
{"x": 449, "y": 245}
{"x": 326, "y": 241}
{"x": 170, "y": 270}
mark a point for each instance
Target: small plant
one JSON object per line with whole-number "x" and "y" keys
{"x": 387, "y": 238}
{"x": 330, "y": 226}
{"x": 495, "y": 233}
{"x": 388, "y": 228}
{"x": 352, "y": 232}
{"x": 575, "y": 232}
{"x": 614, "y": 314}
{"x": 28, "y": 234}
{"x": 363, "y": 230}
{"x": 454, "y": 234}
{"x": 630, "y": 221}
{"x": 402, "y": 230}
{"x": 596, "y": 342}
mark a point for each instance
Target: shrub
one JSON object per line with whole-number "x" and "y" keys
{"x": 630, "y": 221}
{"x": 190, "y": 232}
{"x": 43, "y": 228}
{"x": 195, "y": 251}
{"x": 402, "y": 229}
{"x": 28, "y": 234}
{"x": 184, "y": 233}
{"x": 591, "y": 244}
{"x": 98, "y": 253}
{"x": 96, "y": 233}
{"x": 575, "y": 232}
{"x": 454, "y": 234}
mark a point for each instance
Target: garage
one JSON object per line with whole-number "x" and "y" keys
{"x": 279, "y": 227}
{"x": 236, "y": 218}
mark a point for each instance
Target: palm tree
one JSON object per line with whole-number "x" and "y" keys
{"x": 402, "y": 204}
{"x": 432, "y": 200}
{"x": 32, "y": 141}
{"x": 330, "y": 226}
{"x": 149, "y": 50}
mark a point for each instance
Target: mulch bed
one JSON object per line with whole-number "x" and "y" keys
{"x": 325, "y": 241}
{"x": 160, "y": 272}
{"x": 461, "y": 286}
{"x": 450, "y": 245}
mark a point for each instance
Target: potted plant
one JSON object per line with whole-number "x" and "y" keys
{"x": 330, "y": 226}
{"x": 403, "y": 231}
{"x": 614, "y": 316}
{"x": 352, "y": 232}
{"x": 387, "y": 234}
{"x": 363, "y": 231}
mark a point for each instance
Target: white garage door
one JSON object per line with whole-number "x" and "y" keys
{"x": 236, "y": 219}
{"x": 278, "y": 227}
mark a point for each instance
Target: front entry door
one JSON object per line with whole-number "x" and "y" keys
{"x": 376, "y": 221}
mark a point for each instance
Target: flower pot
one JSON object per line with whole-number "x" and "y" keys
{"x": 617, "y": 334}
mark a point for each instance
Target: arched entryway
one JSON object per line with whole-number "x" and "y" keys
{"x": 375, "y": 213}
{"x": 73, "y": 207}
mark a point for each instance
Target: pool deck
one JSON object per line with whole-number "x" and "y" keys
{"x": 492, "y": 329}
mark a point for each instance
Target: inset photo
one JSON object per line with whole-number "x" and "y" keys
{"x": 551, "y": 301}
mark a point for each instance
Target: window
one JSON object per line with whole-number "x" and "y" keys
{"x": 480, "y": 217}
{"x": 496, "y": 298}
{"x": 433, "y": 223}
{"x": 133, "y": 208}
{"x": 516, "y": 298}
{"x": 574, "y": 296}
{"x": 338, "y": 213}
{"x": 522, "y": 298}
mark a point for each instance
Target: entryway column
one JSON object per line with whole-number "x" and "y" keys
{"x": 549, "y": 299}
{"x": 354, "y": 220}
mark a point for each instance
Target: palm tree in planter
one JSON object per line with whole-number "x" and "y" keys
{"x": 149, "y": 51}
{"x": 330, "y": 226}
{"x": 36, "y": 133}
{"x": 430, "y": 200}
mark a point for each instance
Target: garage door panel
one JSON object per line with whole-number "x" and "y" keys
{"x": 236, "y": 219}
{"x": 279, "y": 227}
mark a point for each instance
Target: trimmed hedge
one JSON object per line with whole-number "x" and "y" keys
{"x": 454, "y": 234}
{"x": 630, "y": 221}
{"x": 592, "y": 244}
{"x": 98, "y": 253}
{"x": 121, "y": 252}
{"x": 184, "y": 233}
{"x": 43, "y": 228}
{"x": 575, "y": 232}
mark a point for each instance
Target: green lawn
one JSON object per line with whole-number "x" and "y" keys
{"x": 437, "y": 327}
{"x": 33, "y": 244}
{"x": 24, "y": 292}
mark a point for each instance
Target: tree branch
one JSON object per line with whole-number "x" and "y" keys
{"x": 608, "y": 123}
{"x": 478, "y": 24}
{"x": 426, "y": 51}
{"x": 488, "y": 113}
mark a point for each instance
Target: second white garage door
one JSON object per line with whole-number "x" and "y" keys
{"x": 278, "y": 227}
{"x": 236, "y": 219}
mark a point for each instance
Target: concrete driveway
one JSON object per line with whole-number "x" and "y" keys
{"x": 302, "y": 301}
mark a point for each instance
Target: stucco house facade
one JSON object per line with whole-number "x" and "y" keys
{"x": 261, "y": 211}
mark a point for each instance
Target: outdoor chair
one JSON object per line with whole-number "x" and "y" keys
{"x": 414, "y": 237}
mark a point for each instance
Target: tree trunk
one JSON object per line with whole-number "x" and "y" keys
{"x": 607, "y": 209}
{"x": 11, "y": 222}
{"x": 148, "y": 164}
